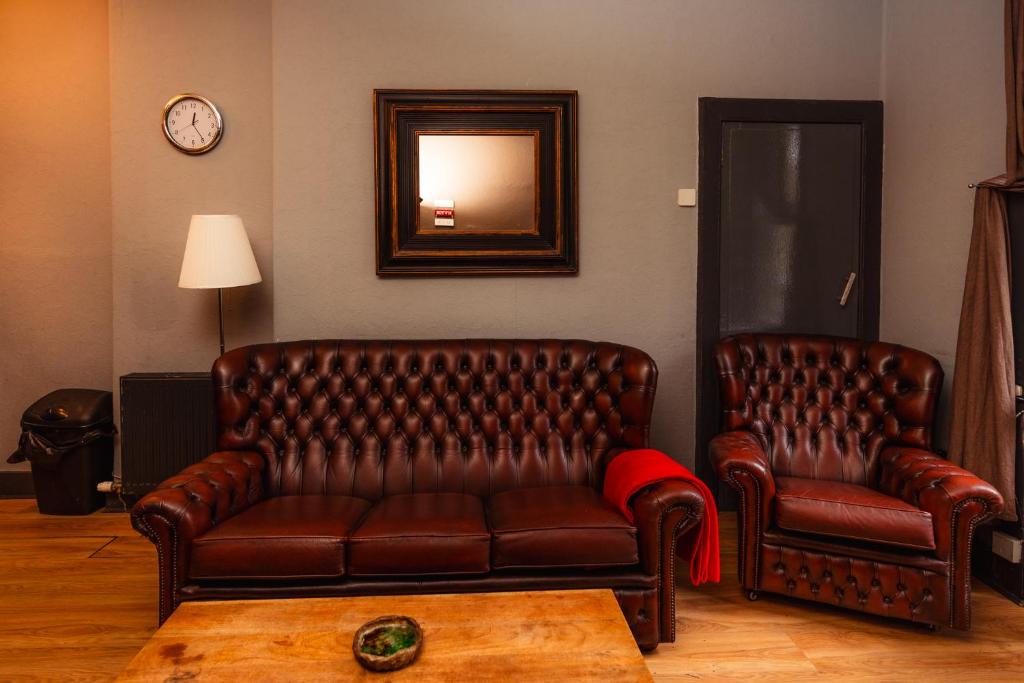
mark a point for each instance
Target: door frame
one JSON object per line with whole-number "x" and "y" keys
{"x": 713, "y": 112}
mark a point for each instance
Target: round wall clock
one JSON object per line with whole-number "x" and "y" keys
{"x": 192, "y": 123}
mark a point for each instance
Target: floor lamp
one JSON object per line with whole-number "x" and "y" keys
{"x": 218, "y": 255}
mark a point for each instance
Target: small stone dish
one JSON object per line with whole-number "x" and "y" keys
{"x": 387, "y": 643}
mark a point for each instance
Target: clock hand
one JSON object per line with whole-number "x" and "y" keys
{"x": 201, "y": 138}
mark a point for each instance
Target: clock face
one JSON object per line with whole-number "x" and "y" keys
{"x": 192, "y": 124}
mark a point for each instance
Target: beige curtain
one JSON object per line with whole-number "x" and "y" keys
{"x": 982, "y": 434}
{"x": 983, "y": 430}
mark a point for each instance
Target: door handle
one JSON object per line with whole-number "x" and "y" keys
{"x": 845, "y": 296}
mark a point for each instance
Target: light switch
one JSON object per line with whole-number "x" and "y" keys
{"x": 688, "y": 197}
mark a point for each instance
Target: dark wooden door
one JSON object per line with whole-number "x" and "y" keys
{"x": 789, "y": 215}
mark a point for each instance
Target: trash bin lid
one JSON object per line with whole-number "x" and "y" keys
{"x": 70, "y": 409}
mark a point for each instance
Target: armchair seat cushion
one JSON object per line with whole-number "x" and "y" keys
{"x": 558, "y": 526}
{"x": 852, "y": 512}
{"x": 283, "y": 538}
{"x": 422, "y": 534}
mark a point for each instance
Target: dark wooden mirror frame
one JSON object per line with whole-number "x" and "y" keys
{"x": 401, "y": 116}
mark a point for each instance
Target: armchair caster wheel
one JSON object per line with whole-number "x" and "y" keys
{"x": 934, "y": 628}
{"x": 753, "y": 595}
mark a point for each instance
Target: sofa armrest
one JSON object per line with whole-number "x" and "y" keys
{"x": 741, "y": 462}
{"x": 662, "y": 513}
{"x": 957, "y": 500}
{"x": 189, "y": 504}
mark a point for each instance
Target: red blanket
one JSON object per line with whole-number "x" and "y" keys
{"x": 633, "y": 470}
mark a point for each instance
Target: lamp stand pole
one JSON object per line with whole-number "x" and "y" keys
{"x": 220, "y": 317}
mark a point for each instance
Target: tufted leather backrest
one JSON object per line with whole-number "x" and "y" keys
{"x": 376, "y": 418}
{"x": 824, "y": 407}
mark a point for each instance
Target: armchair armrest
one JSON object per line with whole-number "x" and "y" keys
{"x": 189, "y": 504}
{"x": 741, "y": 462}
{"x": 957, "y": 500}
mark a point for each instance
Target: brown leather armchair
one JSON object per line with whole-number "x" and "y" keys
{"x": 390, "y": 467}
{"x": 827, "y": 442}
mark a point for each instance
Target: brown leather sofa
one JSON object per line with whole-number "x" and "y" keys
{"x": 827, "y": 442}
{"x": 384, "y": 467}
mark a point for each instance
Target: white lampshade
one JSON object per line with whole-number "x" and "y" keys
{"x": 218, "y": 254}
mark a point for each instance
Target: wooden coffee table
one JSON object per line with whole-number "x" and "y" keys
{"x": 512, "y": 637}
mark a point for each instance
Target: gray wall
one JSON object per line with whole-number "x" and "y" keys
{"x": 945, "y": 118}
{"x": 639, "y": 69}
{"x": 55, "y": 255}
{"x": 157, "y": 50}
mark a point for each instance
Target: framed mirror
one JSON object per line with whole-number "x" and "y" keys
{"x": 475, "y": 182}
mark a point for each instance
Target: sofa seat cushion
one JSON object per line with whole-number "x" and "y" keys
{"x": 287, "y": 537}
{"x": 421, "y": 534}
{"x": 852, "y": 512}
{"x": 558, "y": 526}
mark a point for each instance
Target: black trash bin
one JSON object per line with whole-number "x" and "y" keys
{"x": 68, "y": 436}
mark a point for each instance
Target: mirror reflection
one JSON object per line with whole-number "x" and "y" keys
{"x": 477, "y": 182}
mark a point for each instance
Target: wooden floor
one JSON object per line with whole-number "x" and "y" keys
{"x": 78, "y": 600}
